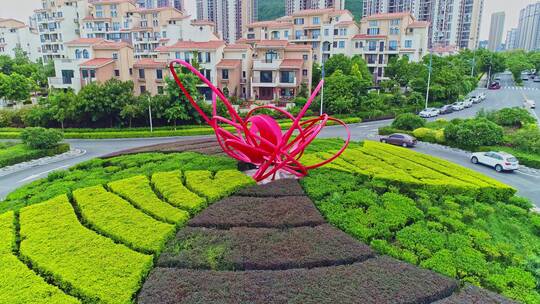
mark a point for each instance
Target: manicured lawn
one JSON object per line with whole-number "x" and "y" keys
{"x": 13, "y": 153}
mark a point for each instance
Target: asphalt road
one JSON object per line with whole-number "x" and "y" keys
{"x": 527, "y": 183}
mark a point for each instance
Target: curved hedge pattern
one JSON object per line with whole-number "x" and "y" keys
{"x": 115, "y": 217}
{"x": 222, "y": 184}
{"x": 169, "y": 185}
{"x": 90, "y": 266}
{"x": 137, "y": 190}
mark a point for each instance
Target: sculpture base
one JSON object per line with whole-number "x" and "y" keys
{"x": 281, "y": 174}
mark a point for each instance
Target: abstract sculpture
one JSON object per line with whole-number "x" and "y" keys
{"x": 258, "y": 139}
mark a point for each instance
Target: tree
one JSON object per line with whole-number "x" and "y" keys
{"x": 178, "y": 106}
{"x": 343, "y": 93}
{"x": 15, "y": 87}
{"x": 61, "y": 105}
{"x": 316, "y": 74}
{"x": 130, "y": 111}
{"x": 517, "y": 62}
{"x": 338, "y": 62}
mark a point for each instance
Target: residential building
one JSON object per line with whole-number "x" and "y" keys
{"x": 234, "y": 71}
{"x": 280, "y": 69}
{"x": 14, "y": 34}
{"x": 58, "y": 22}
{"x": 178, "y": 4}
{"x": 452, "y": 22}
{"x": 496, "y": 30}
{"x": 512, "y": 39}
{"x": 110, "y": 20}
{"x": 528, "y": 37}
{"x": 327, "y": 31}
{"x": 294, "y": 6}
{"x": 385, "y": 36}
{"x": 230, "y": 16}
{"x": 92, "y": 60}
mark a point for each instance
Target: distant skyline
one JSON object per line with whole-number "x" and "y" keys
{"x": 22, "y": 9}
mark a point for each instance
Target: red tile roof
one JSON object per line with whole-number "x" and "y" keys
{"x": 365, "y": 36}
{"x": 271, "y": 24}
{"x": 149, "y": 63}
{"x": 85, "y": 41}
{"x": 419, "y": 24}
{"x": 387, "y": 16}
{"x": 203, "y": 22}
{"x": 90, "y": 18}
{"x": 272, "y": 43}
{"x": 321, "y": 11}
{"x": 229, "y": 63}
{"x": 292, "y": 63}
{"x": 111, "y": 45}
{"x": 192, "y": 45}
{"x": 238, "y": 46}
{"x": 343, "y": 23}
{"x": 298, "y": 47}
{"x": 97, "y": 62}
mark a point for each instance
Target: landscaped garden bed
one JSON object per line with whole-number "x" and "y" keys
{"x": 93, "y": 233}
{"x": 13, "y": 153}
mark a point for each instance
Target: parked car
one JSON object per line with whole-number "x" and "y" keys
{"x": 481, "y": 97}
{"x": 468, "y": 102}
{"x": 537, "y": 79}
{"x": 501, "y": 161}
{"x": 399, "y": 139}
{"x": 528, "y": 103}
{"x": 495, "y": 86}
{"x": 429, "y": 112}
{"x": 458, "y": 106}
{"x": 447, "y": 109}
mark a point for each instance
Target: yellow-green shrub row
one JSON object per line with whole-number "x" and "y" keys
{"x": 118, "y": 219}
{"x": 170, "y": 187}
{"x": 91, "y": 266}
{"x": 137, "y": 190}
{"x": 222, "y": 184}
{"x": 18, "y": 284}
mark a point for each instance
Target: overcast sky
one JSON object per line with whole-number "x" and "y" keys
{"x": 21, "y": 9}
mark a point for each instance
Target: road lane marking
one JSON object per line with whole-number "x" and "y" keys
{"x": 40, "y": 174}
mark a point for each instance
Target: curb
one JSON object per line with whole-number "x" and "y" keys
{"x": 73, "y": 153}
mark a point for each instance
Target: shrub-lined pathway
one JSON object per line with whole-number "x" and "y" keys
{"x": 269, "y": 244}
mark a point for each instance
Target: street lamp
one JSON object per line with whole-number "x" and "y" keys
{"x": 439, "y": 36}
{"x": 150, "y": 114}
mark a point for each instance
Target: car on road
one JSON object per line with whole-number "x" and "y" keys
{"x": 399, "y": 139}
{"x": 447, "y": 109}
{"x": 500, "y": 161}
{"x": 537, "y": 79}
{"x": 468, "y": 102}
{"x": 481, "y": 97}
{"x": 495, "y": 86}
{"x": 429, "y": 112}
{"x": 528, "y": 103}
{"x": 458, "y": 106}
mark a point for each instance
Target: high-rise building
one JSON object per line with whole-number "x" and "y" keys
{"x": 511, "y": 39}
{"x": 293, "y": 6}
{"x": 496, "y": 30}
{"x": 178, "y": 4}
{"x": 14, "y": 35}
{"x": 230, "y": 16}
{"x": 529, "y": 28}
{"x": 452, "y": 22}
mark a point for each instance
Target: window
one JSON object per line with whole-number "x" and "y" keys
{"x": 336, "y": 32}
{"x": 266, "y": 77}
{"x": 160, "y": 90}
{"x": 92, "y": 73}
{"x": 84, "y": 74}
{"x": 225, "y": 74}
{"x": 115, "y": 55}
{"x": 393, "y": 45}
{"x": 275, "y": 35}
{"x": 373, "y": 31}
{"x": 305, "y": 57}
{"x": 299, "y": 21}
{"x": 315, "y": 44}
{"x": 117, "y": 73}
{"x": 298, "y": 34}
{"x": 372, "y": 45}
{"x": 141, "y": 73}
{"x": 177, "y": 55}
{"x": 359, "y": 45}
{"x": 408, "y": 44}
{"x": 395, "y": 22}
{"x": 326, "y": 32}
{"x": 143, "y": 89}
{"x": 343, "y": 32}
{"x": 270, "y": 56}
{"x": 78, "y": 54}
{"x": 316, "y": 20}
{"x": 286, "y": 34}
{"x": 373, "y": 23}
{"x": 394, "y": 31}
{"x": 159, "y": 74}
{"x": 304, "y": 72}
{"x": 342, "y": 44}
{"x": 116, "y": 26}
{"x": 85, "y": 54}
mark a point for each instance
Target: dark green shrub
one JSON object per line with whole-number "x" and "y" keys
{"x": 520, "y": 202}
{"x": 511, "y": 117}
{"x": 41, "y": 138}
{"x": 408, "y": 122}
{"x": 472, "y": 133}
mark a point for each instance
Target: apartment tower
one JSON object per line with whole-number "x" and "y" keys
{"x": 293, "y": 6}
{"x": 496, "y": 30}
{"x": 529, "y": 28}
{"x": 229, "y": 16}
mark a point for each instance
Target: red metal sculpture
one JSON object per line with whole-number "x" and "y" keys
{"x": 258, "y": 139}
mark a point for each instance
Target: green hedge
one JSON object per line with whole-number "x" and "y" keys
{"x": 390, "y": 130}
{"x": 116, "y": 218}
{"x": 222, "y": 184}
{"x": 137, "y": 190}
{"x": 20, "y": 153}
{"x": 77, "y": 259}
{"x": 169, "y": 185}
{"x": 192, "y": 130}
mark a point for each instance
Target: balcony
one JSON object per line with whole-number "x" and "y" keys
{"x": 65, "y": 83}
{"x": 288, "y": 83}
{"x": 265, "y": 65}
{"x": 256, "y": 81}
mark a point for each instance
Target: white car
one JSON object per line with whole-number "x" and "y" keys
{"x": 529, "y": 104}
{"x": 468, "y": 102}
{"x": 481, "y": 96}
{"x": 429, "y": 112}
{"x": 501, "y": 161}
{"x": 458, "y": 106}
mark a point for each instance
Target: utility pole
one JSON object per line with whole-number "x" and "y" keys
{"x": 473, "y": 64}
{"x": 429, "y": 76}
{"x": 150, "y": 114}
{"x": 489, "y": 77}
